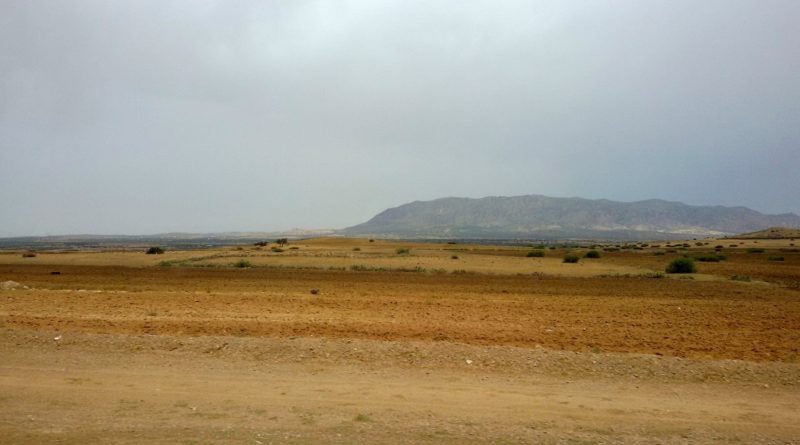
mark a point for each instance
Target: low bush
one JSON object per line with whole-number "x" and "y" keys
{"x": 681, "y": 265}
{"x": 155, "y": 251}
{"x": 592, "y": 254}
{"x": 755, "y": 250}
{"x": 611, "y": 249}
{"x": 535, "y": 253}
{"x": 571, "y": 258}
{"x": 454, "y": 257}
{"x": 710, "y": 258}
{"x": 242, "y": 264}
{"x": 776, "y": 258}
{"x": 277, "y": 249}
{"x": 28, "y": 255}
{"x": 402, "y": 251}
{"x": 356, "y": 249}
{"x": 740, "y": 278}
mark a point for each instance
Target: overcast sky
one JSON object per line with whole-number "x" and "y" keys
{"x": 142, "y": 117}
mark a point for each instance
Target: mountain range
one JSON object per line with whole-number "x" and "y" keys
{"x": 543, "y": 217}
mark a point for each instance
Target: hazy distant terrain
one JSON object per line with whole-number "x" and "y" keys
{"x": 538, "y": 216}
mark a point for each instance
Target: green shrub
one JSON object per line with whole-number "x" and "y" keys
{"x": 454, "y": 257}
{"x": 659, "y": 253}
{"x": 277, "y": 249}
{"x": 571, "y": 258}
{"x": 155, "y": 251}
{"x": 681, "y": 265}
{"x": 535, "y": 253}
{"x": 776, "y": 258}
{"x": 402, "y": 251}
{"x": 356, "y": 249}
{"x": 592, "y": 254}
{"x": 242, "y": 264}
{"x": 755, "y": 250}
{"x": 611, "y": 249}
{"x": 28, "y": 255}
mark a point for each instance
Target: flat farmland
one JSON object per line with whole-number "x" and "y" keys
{"x": 351, "y": 341}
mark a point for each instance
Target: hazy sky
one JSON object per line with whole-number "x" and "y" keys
{"x": 151, "y": 116}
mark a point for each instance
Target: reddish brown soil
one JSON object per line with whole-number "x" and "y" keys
{"x": 696, "y": 319}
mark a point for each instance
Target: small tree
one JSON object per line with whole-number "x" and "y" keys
{"x": 155, "y": 251}
{"x": 592, "y": 254}
{"x": 282, "y": 241}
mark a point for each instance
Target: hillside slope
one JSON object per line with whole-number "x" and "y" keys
{"x": 771, "y": 233}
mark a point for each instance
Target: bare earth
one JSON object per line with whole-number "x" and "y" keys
{"x": 491, "y": 347}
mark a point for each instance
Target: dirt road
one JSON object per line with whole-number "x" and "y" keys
{"x": 88, "y": 388}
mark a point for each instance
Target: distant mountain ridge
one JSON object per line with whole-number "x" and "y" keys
{"x": 538, "y": 216}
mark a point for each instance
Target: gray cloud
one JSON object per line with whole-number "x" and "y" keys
{"x": 142, "y": 117}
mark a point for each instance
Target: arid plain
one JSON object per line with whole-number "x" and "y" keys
{"x": 351, "y": 341}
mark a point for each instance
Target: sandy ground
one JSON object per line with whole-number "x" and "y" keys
{"x": 116, "y": 349}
